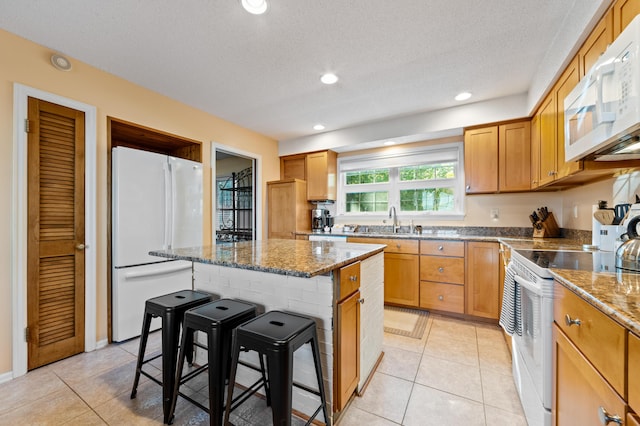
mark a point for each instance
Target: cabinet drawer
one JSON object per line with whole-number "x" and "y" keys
{"x": 393, "y": 245}
{"x": 580, "y": 390}
{"x": 442, "y": 248}
{"x": 633, "y": 378}
{"x": 349, "y": 279}
{"x": 442, "y": 269}
{"x": 598, "y": 337}
{"x": 442, "y": 297}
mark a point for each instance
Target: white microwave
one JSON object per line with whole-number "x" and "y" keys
{"x": 602, "y": 113}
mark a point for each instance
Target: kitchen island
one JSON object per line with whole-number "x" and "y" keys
{"x": 313, "y": 278}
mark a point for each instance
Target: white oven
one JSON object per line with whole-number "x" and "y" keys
{"x": 532, "y": 348}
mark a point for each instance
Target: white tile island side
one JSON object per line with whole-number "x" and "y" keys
{"x": 297, "y": 276}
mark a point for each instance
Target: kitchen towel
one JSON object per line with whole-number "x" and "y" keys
{"x": 511, "y": 313}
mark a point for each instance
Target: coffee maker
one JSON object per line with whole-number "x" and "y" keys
{"x": 319, "y": 219}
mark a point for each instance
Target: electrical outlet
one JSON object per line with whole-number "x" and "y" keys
{"x": 575, "y": 211}
{"x": 495, "y": 214}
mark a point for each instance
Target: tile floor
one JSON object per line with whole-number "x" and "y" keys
{"x": 458, "y": 374}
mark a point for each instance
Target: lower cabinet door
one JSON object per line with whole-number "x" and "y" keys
{"x": 581, "y": 396}
{"x": 348, "y": 350}
{"x": 402, "y": 279}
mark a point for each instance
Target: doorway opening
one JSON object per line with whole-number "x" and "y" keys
{"x": 234, "y": 196}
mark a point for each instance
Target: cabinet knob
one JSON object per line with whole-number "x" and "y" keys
{"x": 441, "y": 298}
{"x": 353, "y": 278}
{"x": 468, "y": 187}
{"x": 361, "y": 301}
{"x": 441, "y": 269}
{"x": 398, "y": 246}
{"x": 571, "y": 321}
{"x": 606, "y": 418}
{"x": 534, "y": 182}
{"x": 440, "y": 248}
{"x": 82, "y": 247}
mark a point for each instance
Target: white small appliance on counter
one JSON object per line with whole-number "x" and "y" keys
{"x": 602, "y": 113}
{"x": 156, "y": 204}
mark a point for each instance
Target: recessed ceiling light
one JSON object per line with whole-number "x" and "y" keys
{"x": 256, "y": 7}
{"x": 389, "y": 143}
{"x": 318, "y": 127}
{"x": 329, "y": 78}
{"x": 463, "y": 96}
{"x": 60, "y": 62}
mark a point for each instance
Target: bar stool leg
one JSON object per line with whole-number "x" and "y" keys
{"x": 144, "y": 335}
{"x": 170, "y": 337}
{"x": 176, "y": 386}
{"x": 317, "y": 362}
{"x": 280, "y": 368}
{"x": 232, "y": 376}
{"x": 217, "y": 360}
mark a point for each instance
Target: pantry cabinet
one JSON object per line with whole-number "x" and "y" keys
{"x": 289, "y": 211}
{"x": 623, "y": 13}
{"x": 319, "y": 169}
{"x": 483, "y": 279}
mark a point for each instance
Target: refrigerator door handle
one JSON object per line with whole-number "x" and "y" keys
{"x": 158, "y": 271}
{"x": 168, "y": 206}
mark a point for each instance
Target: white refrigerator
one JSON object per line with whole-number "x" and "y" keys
{"x": 156, "y": 204}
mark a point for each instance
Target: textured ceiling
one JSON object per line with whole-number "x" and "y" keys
{"x": 393, "y": 57}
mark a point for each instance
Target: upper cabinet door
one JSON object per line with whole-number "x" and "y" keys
{"x": 547, "y": 114}
{"x": 321, "y": 175}
{"x": 564, "y": 86}
{"x": 596, "y": 44}
{"x": 481, "y": 160}
{"x": 514, "y": 150}
{"x": 535, "y": 151}
{"x": 623, "y": 13}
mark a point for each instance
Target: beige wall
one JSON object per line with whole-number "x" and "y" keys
{"x": 28, "y": 63}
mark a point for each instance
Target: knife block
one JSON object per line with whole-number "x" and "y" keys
{"x": 549, "y": 228}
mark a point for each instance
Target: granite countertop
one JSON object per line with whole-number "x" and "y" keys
{"x": 285, "y": 257}
{"x": 424, "y": 236}
{"x": 615, "y": 294}
{"x": 542, "y": 244}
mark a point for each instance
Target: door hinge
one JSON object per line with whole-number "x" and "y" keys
{"x": 27, "y": 128}
{"x": 26, "y": 334}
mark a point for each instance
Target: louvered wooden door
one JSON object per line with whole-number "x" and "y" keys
{"x": 55, "y": 248}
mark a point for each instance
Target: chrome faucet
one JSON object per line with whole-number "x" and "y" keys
{"x": 392, "y": 214}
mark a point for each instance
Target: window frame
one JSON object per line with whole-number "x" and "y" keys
{"x": 396, "y": 158}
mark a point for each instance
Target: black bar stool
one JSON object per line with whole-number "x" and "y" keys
{"x": 277, "y": 335}
{"x": 217, "y": 319}
{"x": 170, "y": 308}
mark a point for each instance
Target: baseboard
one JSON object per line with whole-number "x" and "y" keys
{"x": 102, "y": 343}
{"x": 5, "y": 377}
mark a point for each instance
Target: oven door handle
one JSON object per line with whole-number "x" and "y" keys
{"x": 528, "y": 285}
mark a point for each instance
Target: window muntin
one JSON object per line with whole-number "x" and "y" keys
{"x": 429, "y": 181}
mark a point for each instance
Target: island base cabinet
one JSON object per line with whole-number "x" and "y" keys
{"x": 402, "y": 279}
{"x": 348, "y": 350}
{"x": 580, "y": 392}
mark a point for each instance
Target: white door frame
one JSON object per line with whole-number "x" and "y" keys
{"x": 21, "y": 94}
{"x": 257, "y": 178}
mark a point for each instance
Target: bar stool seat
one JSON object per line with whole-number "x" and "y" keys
{"x": 170, "y": 308}
{"x": 276, "y": 335}
{"x": 217, "y": 320}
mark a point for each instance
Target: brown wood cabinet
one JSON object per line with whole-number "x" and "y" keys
{"x": 633, "y": 373}
{"x": 514, "y": 156}
{"x": 596, "y": 44}
{"x": 348, "y": 335}
{"x": 498, "y": 158}
{"x": 535, "y": 151}
{"x": 580, "y": 391}
{"x": 563, "y": 87}
{"x": 623, "y": 13}
{"x": 548, "y": 151}
{"x": 319, "y": 169}
{"x": 481, "y": 160}
{"x": 483, "y": 279}
{"x": 288, "y": 209}
{"x": 442, "y": 275}
{"x": 401, "y": 269}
